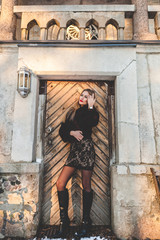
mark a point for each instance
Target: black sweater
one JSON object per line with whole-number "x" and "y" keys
{"x": 84, "y": 120}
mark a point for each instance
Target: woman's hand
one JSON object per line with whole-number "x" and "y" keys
{"x": 91, "y": 101}
{"x": 77, "y": 134}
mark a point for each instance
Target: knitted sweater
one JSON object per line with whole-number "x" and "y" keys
{"x": 84, "y": 120}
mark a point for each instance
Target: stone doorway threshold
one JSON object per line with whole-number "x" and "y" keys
{"x": 97, "y": 232}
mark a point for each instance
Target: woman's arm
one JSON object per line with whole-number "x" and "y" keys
{"x": 92, "y": 112}
{"x": 64, "y": 132}
{"x": 93, "y": 117}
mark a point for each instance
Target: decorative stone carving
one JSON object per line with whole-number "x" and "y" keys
{"x": 72, "y": 33}
{"x": 91, "y": 32}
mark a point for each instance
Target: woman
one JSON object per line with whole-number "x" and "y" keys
{"x": 77, "y": 130}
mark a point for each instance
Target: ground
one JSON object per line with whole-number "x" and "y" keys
{"x": 96, "y": 233}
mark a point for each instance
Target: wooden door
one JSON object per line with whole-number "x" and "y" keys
{"x": 61, "y": 95}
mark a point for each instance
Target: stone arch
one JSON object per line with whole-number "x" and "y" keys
{"x": 33, "y": 30}
{"x": 92, "y": 21}
{"x": 72, "y": 22}
{"x": 111, "y": 28}
{"x": 53, "y": 28}
{"x": 91, "y": 30}
{"x": 113, "y": 22}
{"x": 72, "y": 30}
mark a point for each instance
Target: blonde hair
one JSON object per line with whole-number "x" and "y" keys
{"x": 90, "y": 91}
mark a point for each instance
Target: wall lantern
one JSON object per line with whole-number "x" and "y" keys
{"x": 24, "y": 81}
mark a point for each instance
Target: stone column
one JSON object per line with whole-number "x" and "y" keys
{"x": 82, "y": 33}
{"x": 121, "y": 33}
{"x": 43, "y": 34}
{"x": 61, "y": 34}
{"x": 140, "y": 21}
{"x": 157, "y": 22}
{"x": 23, "y": 33}
{"x": 8, "y": 20}
{"x": 158, "y": 34}
{"x": 101, "y": 34}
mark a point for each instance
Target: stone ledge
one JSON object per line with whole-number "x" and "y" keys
{"x": 79, "y": 43}
{"x": 75, "y": 8}
{"x": 153, "y": 8}
{"x": 134, "y": 169}
{"x": 147, "y": 49}
{"x": 20, "y": 168}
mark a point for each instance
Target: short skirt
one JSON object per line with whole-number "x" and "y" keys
{"x": 82, "y": 155}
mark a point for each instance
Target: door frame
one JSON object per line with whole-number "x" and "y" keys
{"x": 110, "y": 80}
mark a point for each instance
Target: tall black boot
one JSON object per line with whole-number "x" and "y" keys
{"x": 64, "y": 219}
{"x": 86, "y": 221}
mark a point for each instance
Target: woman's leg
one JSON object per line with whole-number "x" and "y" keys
{"x": 87, "y": 203}
{"x": 64, "y": 177}
{"x": 63, "y": 200}
{"x": 86, "y": 180}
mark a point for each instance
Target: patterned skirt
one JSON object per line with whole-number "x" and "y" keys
{"x": 82, "y": 155}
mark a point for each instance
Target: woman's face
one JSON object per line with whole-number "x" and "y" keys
{"x": 83, "y": 99}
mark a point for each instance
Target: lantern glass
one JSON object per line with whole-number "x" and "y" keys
{"x": 29, "y": 81}
{"x": 26, "y": 84}
{"x": 21, "y": 80}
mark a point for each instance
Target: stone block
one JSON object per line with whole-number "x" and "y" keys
{"x": 146, "y": 127}
{"x": 107, "y": 61}
{"x": 122, "y": 169}
{"x": 153, "y": 61}
{"x": 126, "y": 93}
{"x": 152, "y": 26}
{"x": 14, "y": 198}
{"x": 128, "y": 30}
{"x": 24, "y": 125}
{"x": 134, "y": 200}
{"x": 22, "y": 168}
{"x": 128, "y": 147}
{"x": 14, "y": 229}
{"x": 142, "y": 70}
{"x": 137, "y": 169}
{"x": 8, "y": 70}
{"x": 149, "y": 226}
{"x": 20, "y": 208}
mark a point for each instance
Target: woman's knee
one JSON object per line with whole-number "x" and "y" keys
{"x": 60, "y": 185}
{"x": 87, "y": 186}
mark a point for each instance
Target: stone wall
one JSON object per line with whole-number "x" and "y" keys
{"x": 134, "y": 197}
{"x": 8, "y": 83}
{"x": 137, "y": 87}
{"x": 135, "y": 207}
{"x": 19, "y": 199}
{"x": 148, "y": 99}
